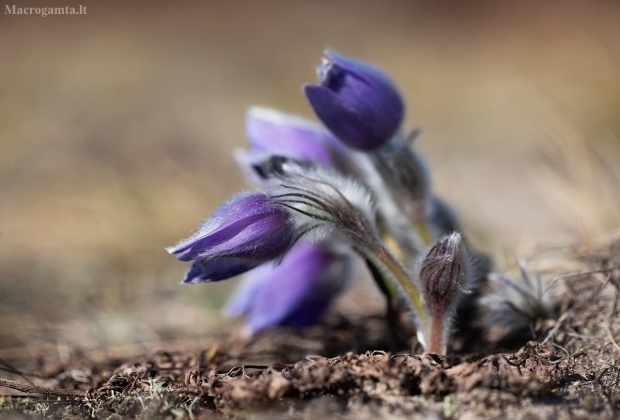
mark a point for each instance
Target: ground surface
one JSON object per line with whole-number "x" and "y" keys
{"x": 568, "y": 369}
{"x": 116, "y": 132}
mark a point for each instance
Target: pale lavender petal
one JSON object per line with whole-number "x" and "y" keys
{"x": 283, "y": 134}
{"x": 295, "y": 292}
{"x": 248, "y": 289}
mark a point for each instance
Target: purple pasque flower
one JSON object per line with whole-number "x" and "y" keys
{"x": 356, "y": 101}
{"x": 277, "y": 133}
{"x": 294, "y": 292}
{"x": 244, "y": 232}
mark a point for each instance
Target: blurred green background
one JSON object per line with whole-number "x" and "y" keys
{"x": 116, "y": 131}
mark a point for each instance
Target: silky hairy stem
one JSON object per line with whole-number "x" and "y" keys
{"x": 382, "y": 257}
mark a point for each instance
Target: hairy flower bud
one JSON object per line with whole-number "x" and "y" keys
{"x": 356, "y": 101}
{"x": 442, "y": 274}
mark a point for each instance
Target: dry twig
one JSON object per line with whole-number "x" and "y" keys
{"x": 33, "y": 389}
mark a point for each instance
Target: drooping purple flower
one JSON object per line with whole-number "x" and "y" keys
{"x": 295, "y": 292}
{"x": 244, "y": 232}
{"x": 356, "y": 101}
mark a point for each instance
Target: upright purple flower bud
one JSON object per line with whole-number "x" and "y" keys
{"x": 356, "y": 101}
{"x": 295, "y": 292}
{"x": 245, "y": 232}
{"x": 442, "y": 279}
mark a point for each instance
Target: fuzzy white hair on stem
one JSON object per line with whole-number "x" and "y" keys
{"x": 325, "y": 201}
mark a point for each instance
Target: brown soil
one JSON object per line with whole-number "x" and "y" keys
{"x": 568, "y": 369}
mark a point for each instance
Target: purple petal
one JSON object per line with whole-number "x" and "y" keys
{"x": 218, "y": 269}
{"x": 282, "y": 134}
{"x": 295, "y": 292}
{"x": 257, "y": 235}
{"x": 308, "y": 311}
{"x": 249, "y": 287}
{"x": 356, "y": 101}
{"x": 246, "y": 231}
{"x": 364, "y": 71}
{"x": 241, "y": 206}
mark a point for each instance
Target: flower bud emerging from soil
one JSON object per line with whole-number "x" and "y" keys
{"x": 442, "y": 273}
{"x": 442, "y": 277}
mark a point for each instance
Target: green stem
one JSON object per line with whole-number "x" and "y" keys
{"x": 379, "y": 252}
{"x": 400, "y": 332}
{"x": 422, "y": 229}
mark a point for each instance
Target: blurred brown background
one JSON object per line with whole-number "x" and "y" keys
{"x": 116, "y": 129}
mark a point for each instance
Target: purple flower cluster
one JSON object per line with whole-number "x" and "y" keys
{"x": 351, "y": 186}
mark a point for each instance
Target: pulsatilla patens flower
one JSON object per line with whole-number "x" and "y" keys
{"x": 327, "y": 202}
{"x": 272, "y": 132}
{"x": 356, "y": 101}
{"x": 243, "y": 233}
{"x": 293, "y": 293}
